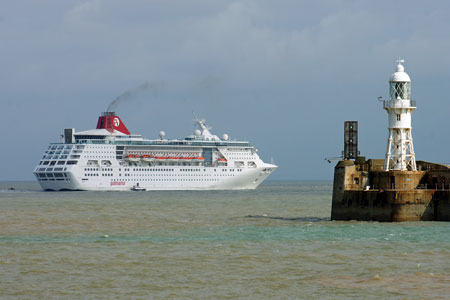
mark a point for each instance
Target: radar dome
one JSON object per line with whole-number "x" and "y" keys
{"x": 162, "y": 134}
{"x": 197, "y": 133}
{"x": 225, "y": 137}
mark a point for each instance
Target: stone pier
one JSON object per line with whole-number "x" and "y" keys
{"x": 362, "y": 190}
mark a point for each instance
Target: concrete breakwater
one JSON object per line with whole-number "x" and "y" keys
{"x": 363, "y": 190}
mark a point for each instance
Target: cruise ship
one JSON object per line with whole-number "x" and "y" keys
{"x": 110, "y": 158}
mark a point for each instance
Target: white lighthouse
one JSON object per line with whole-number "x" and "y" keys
{"x": 400, "y": 150}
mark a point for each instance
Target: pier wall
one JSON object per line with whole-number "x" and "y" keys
{"x": 363, "y": 191}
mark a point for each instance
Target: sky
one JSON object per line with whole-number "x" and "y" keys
{"x": 284, "y": 75}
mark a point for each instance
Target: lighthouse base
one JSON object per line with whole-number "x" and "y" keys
{"x": 363, "y": 191}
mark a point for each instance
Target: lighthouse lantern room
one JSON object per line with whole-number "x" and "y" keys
{"x": 400, "y": 151}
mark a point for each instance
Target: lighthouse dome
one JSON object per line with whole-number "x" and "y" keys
{"x": 400, "y": 75}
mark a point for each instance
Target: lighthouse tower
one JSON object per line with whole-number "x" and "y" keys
{"x": 400, "y": 151}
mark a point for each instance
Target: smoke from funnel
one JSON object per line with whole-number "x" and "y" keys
{"x": 130, "y": 94}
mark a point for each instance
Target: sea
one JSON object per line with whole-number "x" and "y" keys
{"x": 275, "y": 242}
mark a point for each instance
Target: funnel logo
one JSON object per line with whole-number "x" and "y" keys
{"x": 116, "y": 122}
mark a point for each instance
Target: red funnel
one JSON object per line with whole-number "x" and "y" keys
{"x": 111, "y": 122}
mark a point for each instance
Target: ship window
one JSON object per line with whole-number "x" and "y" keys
{"x": 72, "y": 162}
{"x": 53, "y": 162}
{"x": 61, "y": 162}
{"x": 398, "y": 117}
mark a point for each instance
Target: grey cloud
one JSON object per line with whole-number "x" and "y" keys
{"x": 266, "y": 70}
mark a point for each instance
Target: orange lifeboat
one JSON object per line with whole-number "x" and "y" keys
{"x": 186, "y": 159}
{"x": 133, "y": 157}
{"x": 172, "y": 159}
{"x": 148, "y": 158}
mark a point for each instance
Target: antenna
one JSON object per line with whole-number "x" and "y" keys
{"x": 197, "y": 121}
{"x": 200, "y": 123}
{"x": 195, "y": 117}
{"x": 400, "y": 61}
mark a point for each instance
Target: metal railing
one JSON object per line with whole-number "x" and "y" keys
{"x": 424, "y": 186}
{"x": 398, "y": 104}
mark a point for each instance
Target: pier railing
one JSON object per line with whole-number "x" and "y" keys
{"x": 434, "y": 187}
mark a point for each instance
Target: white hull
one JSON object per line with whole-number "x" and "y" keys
{"x": 174, "y": 180}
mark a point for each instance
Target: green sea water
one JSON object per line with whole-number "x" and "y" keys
{"x": 276, "y": 242}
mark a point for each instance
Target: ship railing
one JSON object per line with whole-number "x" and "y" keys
{"x": 164, "y": 163}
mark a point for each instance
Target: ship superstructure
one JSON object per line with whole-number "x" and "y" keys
{"x": 111, "y": 158}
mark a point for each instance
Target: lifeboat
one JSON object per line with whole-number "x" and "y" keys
{"x": 198, "y": 159}
{"x": 133, "y": 157}
{"x": 148, "y": 158}
{"x": 222, "y": 160}
{"x": 186, "y": 159}
{"x": 172, "y": 159}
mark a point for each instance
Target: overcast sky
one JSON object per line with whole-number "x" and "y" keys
{"x": 283, "y": 74}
